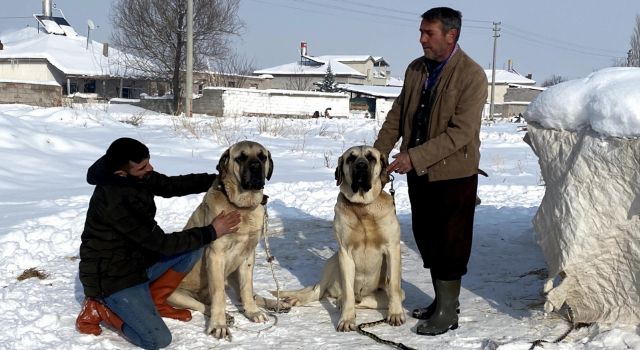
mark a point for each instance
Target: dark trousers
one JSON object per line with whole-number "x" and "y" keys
{"x": 442, "y": 219}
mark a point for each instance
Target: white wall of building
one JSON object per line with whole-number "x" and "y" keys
{"x": 383, "y": 106}
{"x": 242, "y": 102}
{"x": 21, "y": 70}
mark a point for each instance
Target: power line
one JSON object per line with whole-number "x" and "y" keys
{"x": 331, "y": 14}
{"x": 324, "y": 5}
{"x": 558, "y": 46}
{"x": 359, "y": 11}
{"x": 542, "y": 38}
{"x": 400, "y": 11}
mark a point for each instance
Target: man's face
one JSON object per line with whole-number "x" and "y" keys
{"x": 139, "y": 170}
{"x": 436, "y": 44}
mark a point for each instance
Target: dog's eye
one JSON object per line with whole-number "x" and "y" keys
{"x": 371, "y": 158}
{"x": 351, "y": 158}
{"x": 262, "y": 156}
{"x": 241, "y": 158}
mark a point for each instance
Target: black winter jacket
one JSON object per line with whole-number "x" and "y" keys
{"x": 121, "y": 238}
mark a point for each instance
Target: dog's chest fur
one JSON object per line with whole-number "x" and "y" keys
{"x": 366, "y": 221}
{"x": 244, "y": 241}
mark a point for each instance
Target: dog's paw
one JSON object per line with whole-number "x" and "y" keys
{"x": 396, "y": 319}
{"x": 289, "y": 302}
{"x": 283, "y": 305}
{"x": 219, "y": 331}
{"x": 256, "y": 316}
{"x": 347, "y": 325}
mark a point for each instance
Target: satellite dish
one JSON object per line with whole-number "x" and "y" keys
{"x": 91, "y": 25}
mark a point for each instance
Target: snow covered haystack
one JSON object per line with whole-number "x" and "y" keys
{"x": 586, "y": 134}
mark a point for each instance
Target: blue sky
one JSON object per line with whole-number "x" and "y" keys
{"x": 542, "y": 37}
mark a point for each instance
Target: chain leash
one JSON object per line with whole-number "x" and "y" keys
{"x": 572, "y": 326}
{"x": 360, "y": 330}
{"x": 270, "y": 258}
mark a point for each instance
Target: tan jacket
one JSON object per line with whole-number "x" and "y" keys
{"x": 452, "y": 149}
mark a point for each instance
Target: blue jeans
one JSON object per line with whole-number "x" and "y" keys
{"x": 143, "y": 325}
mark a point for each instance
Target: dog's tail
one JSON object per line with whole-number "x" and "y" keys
{"x": 301, "y": 296}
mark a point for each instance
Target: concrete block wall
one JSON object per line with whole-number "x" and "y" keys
{"x": 43, "y": 95}
{"x": 383, "y": 106}
{"x": 521, "y": 94}
{"x": 234, "y": 102}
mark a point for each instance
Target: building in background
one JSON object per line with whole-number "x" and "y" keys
{"x": 308, "y": 71}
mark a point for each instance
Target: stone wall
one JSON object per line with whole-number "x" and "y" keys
{"x": 232, "y": 102}
{"x": 236, "y": 102}
{"x": 383, "y": 106}
{"x": 31, "y": 93}
{"x": 521, "y": 94}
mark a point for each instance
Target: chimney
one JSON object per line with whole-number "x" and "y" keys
{"x": 46, "y": 8}
{"x": 530, "y": 76}
{"x": 105, "y": 49}
{"x": 1, "y": 45}
{"x": 303, "y": 48}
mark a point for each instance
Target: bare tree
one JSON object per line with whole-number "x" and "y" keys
{"x": 555, "y": 79}
{"x": 153, "y": 35}
{"x": 231, "y": 68}
{"x": 298, "y": 80}
{"x": 633, "y": 56}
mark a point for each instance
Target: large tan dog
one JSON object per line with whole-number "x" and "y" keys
{"x": 367, "y": 263}
{"x": 242, "y": 169}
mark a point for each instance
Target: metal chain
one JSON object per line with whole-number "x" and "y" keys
{"x": 572, "y": 326}
{"x": 391, "y": 190}
{"x": 360, "y": 330}
{"x": 270, "y": 257}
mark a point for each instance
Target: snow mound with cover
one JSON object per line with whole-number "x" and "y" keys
{"x": 585, "y": 134}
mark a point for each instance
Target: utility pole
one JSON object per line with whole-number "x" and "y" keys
{"x": 496, "y": 29}
{"x": 189, "y": 81}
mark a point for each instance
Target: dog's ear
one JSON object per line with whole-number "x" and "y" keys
{"x": 223, "y": 163}
{"x": 339, "y": 172}
{"x": 384, "y": 175}
{"x": 270, "y": 160}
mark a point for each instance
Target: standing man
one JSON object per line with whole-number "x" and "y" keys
{"x": 128, "y": 265}
{"x": 438, "y": 115}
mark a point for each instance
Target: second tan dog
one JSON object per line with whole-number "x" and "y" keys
{"x": 365, "y": 271}
{"x": 243, "y": 169}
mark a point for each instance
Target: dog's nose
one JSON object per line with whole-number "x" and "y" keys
{"x": 254, "y": 165}
{"x": 361, "y": 165}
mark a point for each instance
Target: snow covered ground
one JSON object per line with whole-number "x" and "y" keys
{"x": 44, "y": 197}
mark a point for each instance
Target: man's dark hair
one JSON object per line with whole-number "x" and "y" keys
{"x": 448, "y": 17}
{"x": 124, "y": 150}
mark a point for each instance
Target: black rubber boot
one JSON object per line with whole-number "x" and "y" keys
{"x": 424, "y": 313}
{"x": 444, "y": 317}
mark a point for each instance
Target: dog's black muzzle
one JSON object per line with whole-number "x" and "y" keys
{"x": 360, "y": 176}
{"x": 253, "y": 176}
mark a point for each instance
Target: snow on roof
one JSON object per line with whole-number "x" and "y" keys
{"x": 67, "y": 53}
{"x": 506, "y": 77}
{"x": 520, "y": 86}
{"x": 607, "y": 100}
{"x": 395, "y": 82}
{"x": 353, "y": 58}
{"x": 295, "y": 68}
{"x": 377, "y": 91}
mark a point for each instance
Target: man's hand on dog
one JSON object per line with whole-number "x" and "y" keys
{"x": 401, "y": 164}
{"x": 226, "y": 223}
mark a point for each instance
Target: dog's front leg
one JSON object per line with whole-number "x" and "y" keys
{"x": 396, "y": 315}
{"x": 216, "y": 273}
{"x": 347, "y": 278}
{"x": 245, "y": 280}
